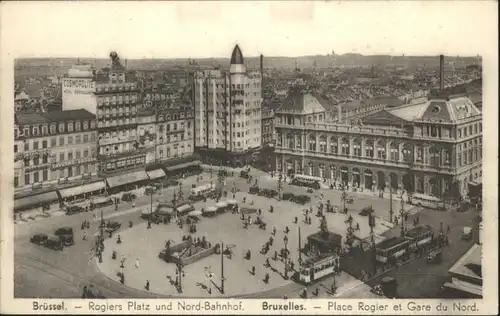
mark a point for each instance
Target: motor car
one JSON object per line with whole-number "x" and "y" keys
{"x": 39, "y": 239}
{"x": 244, "y": 174}
{"x": 366, "y": 211}
{"x": 254, "y": 190}
{"x": 466, "y": 233}
{"x": 74, "y": 209}
{"x": 287, "y": 196}
{"x": 54, "y": 243}
{"x": 435, "y": 255}
{"x": 112, "y": 226}
{"x": 128, "y": 197}
{"x": 170, "y": 182}
{"x": 66, "y": 235}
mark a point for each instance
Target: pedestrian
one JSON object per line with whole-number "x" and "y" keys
{"x": 448, "y": 228}
{"x": 285, "y": 297}
{"x": 253, "y": 270}
{"x": 137, "y": 263}
{"x": 287, "y": 230}
{"x": 274, "y": 230}
{"x": 271, "y": 241}
{"x": 266, "y": 279}
{"x": 84, "y": 235}
{"x": 316, "y": 292}
{"x": 267, "y": 263}
{"x": 147, "y": 285}
{"x": 304, "y": 293}
{"x": 295, "y": 220}
{"x": 309, "y": 221}
{"x": 357, "y": 226}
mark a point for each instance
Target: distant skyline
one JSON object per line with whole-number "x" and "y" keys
{"x": 279, "y": 29}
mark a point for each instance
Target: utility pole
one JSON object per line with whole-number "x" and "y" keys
{"x": 403, "y": 215}
{"x": 391, "y": 212}
{"x": 222, "y": 268}
{"x": 371, "y": 223}
{"x": 150, "y": 211}
{"x": 101, "y": 237}
{"x": 300, "y": 249}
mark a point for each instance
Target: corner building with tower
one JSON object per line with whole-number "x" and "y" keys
{"x": 227, "y": 120}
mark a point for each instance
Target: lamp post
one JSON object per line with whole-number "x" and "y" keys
{"x": 101, "y": 237}
{"x": 403, "y": 214}
{"x": 300, "y": 249}
{"x": 280, "y": 186}
{"x": 222, "y": 278}
{"x": 371, "y": 223}
{"x": 391, "y": 212}
{"x": 344, "y": 197}
{"x": 285, "y": 240}
{"x": 150, "y": 210}
{"x": 180, "y": 272}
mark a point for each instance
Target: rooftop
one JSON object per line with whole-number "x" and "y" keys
{"x": 469, "y": 264}
{"x": 302, "y": 102}
{"x": 390, "y": 242}
{"x": 53, "y": 116}
{"x": 237, "y": 56}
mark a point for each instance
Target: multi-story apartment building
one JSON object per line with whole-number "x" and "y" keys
{"x": 227, "y": 107}
{"x": 117, "y": 97}
{"x": 53, "y": 147}
{"x": 432, "y": 148}
{"x": 78, "y": 89}
{"x": 175, "y": 135}
{"x": 146, "y": 132}
{"x": 267, "y": 127}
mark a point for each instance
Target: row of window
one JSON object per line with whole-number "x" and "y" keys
{"x": 176, "y": 151}
{"x": 41, "y": 176}
{"x": 470, "y": 130}
{"x": 120, "y": 98}
{"x": 37, "y": 130}
{"x": 174, "y": 126}
{"x": 290, "y": 119}
{"x": 173, "y": 138}
{"x": 78, "y": 83}
{"x": 63, "y": 141}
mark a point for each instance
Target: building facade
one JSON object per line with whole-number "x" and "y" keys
{"x": 54, "y": 147}
{"x": 117, "y": 97}
{"x": 433, "y": 148}
{"x": 227, "y": 107}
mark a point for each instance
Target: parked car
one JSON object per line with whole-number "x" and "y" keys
{"x": 128, "y": 197}
{"x": 244, "y": 174}
{"x": 39, "y": 239}
{"x": 366, "y": 211}
{"x": 74, "y": 209}
{"x": 54, "y": 243}
{"x": 254, "y": 190}
{"x": 112, "y": 226}
{"x": 287, "y": 196}
{"x": 301, "y": 199}
{"x": 170, "y": 182}
{"x": 66, "y": 235}
{"x": 466, "y": 233}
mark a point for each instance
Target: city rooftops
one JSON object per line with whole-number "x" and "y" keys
{"x": 53, "y": 116}
{"x": 301, "y": 102}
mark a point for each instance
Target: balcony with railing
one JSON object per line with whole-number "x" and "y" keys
{"x": 349, "y": 129}
{"x": 116, "y": 87}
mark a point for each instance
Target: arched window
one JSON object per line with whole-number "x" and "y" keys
{"x": 345, "y": 146}
{"x": 289, "y": 141}
{"x": 356, "y": 146}
{"x": 434, "y": 156}
{"x": 369, "y": 148}
{"x": 394, "y": 151}
{"x": 381, "y": 150}
{"x": 406, "y": 152}
{"x": 312, "y": 142}
{"x": 322, "y": 143}
{"x": 334, "y": 149}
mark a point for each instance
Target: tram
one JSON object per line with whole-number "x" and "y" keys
{"x": 306, "y": 181}
{"x": 420, "y": 236}
{"x": 317, "y": 269}
{"x": 391, "y": 249}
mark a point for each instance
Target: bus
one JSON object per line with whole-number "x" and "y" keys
{"x": 420, "y": 236}
{"x": 426, "y": 201}
{"x": 391, "y": 249}
{"x": 306, "y": 181}
{"x": 317, "y": 269}
{"x": 200, "y": 192}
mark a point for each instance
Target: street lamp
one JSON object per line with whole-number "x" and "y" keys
{"x": 180, "y": 273}
{"x": 101, "y": 237}
{"x": 391, "y": 212}
{"x": 344, "y": 197}
{"x": 285, "y": 240}
{"x": 280, "y": 186}
{"x": 150, "y": 210}
{"x": 403, "y": 214}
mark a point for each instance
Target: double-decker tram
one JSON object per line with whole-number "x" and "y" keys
{"x": 312, "y": 270}
{"x": 306, "y": 181}
{"x": 391, "y": 250}
{"x": 420, "y": 236}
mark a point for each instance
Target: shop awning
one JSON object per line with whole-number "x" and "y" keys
{"x": 81, "y": 189}
{"x": 184, "y": 165}
{"x": 35, "y": 200}
{"x": 127, "y": 178}
{"x": 155, "y": 174}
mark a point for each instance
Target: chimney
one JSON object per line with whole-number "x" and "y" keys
{"x": 441, "y": 72}
{"x": 261, "y": 64}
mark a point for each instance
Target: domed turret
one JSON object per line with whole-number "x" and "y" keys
{"x": 237, "y": 56}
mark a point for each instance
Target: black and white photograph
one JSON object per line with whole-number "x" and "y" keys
{"x": 287, "y": 151}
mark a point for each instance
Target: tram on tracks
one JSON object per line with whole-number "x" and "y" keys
{"x": 318, "y": 268}
{"x": 420, "y": 236}
{"x": 391, "y": 250}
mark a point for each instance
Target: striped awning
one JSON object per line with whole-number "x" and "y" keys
{"x": 81, "y": 189}
{"x": 127, "y": 178}
{"x": 35, "y": 200}
{"x": 184, "y": 165}
{"x": 155, "y": 174}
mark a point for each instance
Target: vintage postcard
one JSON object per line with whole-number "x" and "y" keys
{"x": 244, "y": 157}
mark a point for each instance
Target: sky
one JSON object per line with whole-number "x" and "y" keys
{"x": 211, "y": 29}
